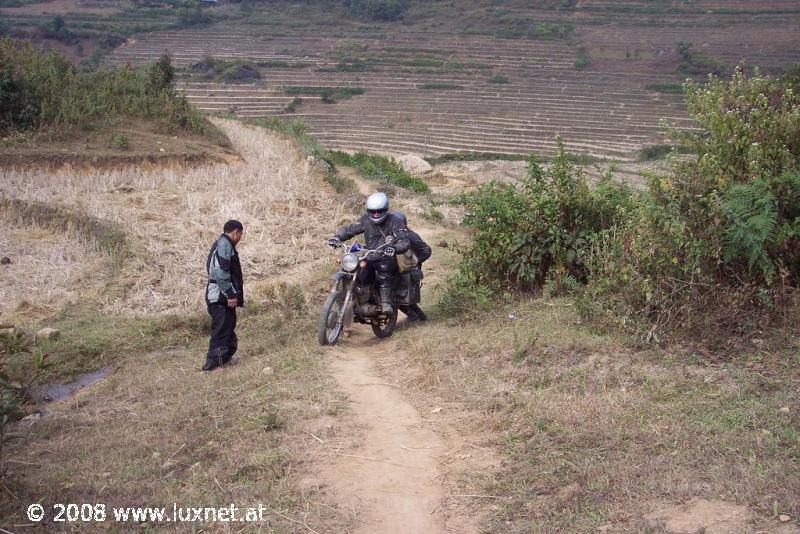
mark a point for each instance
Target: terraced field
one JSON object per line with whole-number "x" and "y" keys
{"x": 432, "y": 93}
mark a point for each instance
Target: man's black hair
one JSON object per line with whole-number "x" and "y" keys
{"x": 232, "y": 225}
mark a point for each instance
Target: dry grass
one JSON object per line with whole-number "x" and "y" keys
{"x": 172, "y": 215}
{"x": 48, "y": 270}
{"x": 159, "y": 431}
{"x": 593, "y": 433}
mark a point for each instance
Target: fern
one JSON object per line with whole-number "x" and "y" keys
{"x": 752, "y": 213}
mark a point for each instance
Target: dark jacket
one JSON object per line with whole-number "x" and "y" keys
{"x": 225, "y": 280}
{"x": 418, "y": 246}
{"x": 375, "y": 235}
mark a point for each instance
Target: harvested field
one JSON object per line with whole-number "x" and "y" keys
{"x": 171, "y": 215}
{"x": 47, "y": 271}
{"x": 604, "y": 109}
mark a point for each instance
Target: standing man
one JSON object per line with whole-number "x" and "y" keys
{"x": 224, "y": 293}
{"x": 422, "y": 251}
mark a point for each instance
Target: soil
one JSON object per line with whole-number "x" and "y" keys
{"x": 396, "y": 472}
{"x": 392, "y": 478}
{"x": 144, "y": 144}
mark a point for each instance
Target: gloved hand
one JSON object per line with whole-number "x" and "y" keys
{"x": 389, "y": 251}
{"x": 334, "y": 242}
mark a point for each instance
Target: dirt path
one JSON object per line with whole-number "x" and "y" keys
{"x": 392, "y": 478}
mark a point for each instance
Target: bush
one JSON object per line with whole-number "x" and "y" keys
{"x": 379, "y": 10}
{"x": 44, "y": 91}
{"x": 528, "y": 234}
{"x": 380, "y": 168}
{"x": 724, "y": 225}
{"x": 226, "y": 71}
{"x": 498, "y": 78}
{"x": 581, "y": 58}
{"x": 440, "y": 86}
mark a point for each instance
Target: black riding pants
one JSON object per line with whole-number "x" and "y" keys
{"x": 380, "y": 272}
{"x": 223, "y": 343}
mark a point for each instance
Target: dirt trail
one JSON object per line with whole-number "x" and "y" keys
{"x": 392, "y": 478}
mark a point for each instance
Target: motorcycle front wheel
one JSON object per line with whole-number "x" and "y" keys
{"x": 386, "y": 328}
{"x": 330, "y": 328}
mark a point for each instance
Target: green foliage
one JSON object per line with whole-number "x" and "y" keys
{"x": 328, "y": 94}
{"x": 581, "y": 58}
{"x": 475, "y": 156}
{"x": 539, "y": 230}
{"x": 440, "y": 86}
{"x": 293, "y": 105}
{"x": 498, "y": 78}
{"x": 380, "y": 168}
{"x": 697, "y": 64}
{"x": 226, "y": 71}
{"x": 161, "y": 74}
{"x": 726, "y": 223}
{"x": 661, "y": 151}
{"x": 190, "y": 16}
{"x": 378, "y": 10}
{"x": 750, "y": 128}
{"x": 665, "y": 88}
{"x": 44, "y": 91}
{"x": 120, "y": 141}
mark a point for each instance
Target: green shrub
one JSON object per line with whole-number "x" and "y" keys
{"x": 539, "y": 230}
{"x": 380, "y": 168}
{"x": 380, "y": 10}
{"x": 328, "y": 94}
{"x": 440, "y": 86}
{"x": 581, "y": 58}
{"x": 717, "y": 234}
{"x": 697, "y": 64}
{"x": 44, "y": 91}
{"x": 226, "y": 71}
{"x": 498, "y": 78}
{"x": 661, "y": 151}
{"x": 120, "y": 141}
{"x": 666, "y": 88}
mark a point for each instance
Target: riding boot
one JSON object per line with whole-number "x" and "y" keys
{"x": 386, "y": 300}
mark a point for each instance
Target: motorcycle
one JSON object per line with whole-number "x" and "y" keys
{"x": 351, "y": 301}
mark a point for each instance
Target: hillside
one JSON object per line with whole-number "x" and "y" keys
{"x": 612, "y": 341}
{"x": 481, "y": 78}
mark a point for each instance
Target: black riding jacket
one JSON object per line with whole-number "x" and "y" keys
{"x": 375, "y": 234}
{"x": 418, "y": 246}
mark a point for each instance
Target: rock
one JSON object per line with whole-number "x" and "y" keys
{"x": 5, "y": 260}
{"x": 785, "y": 410}
{"x": 414, "y": 164}
{"x": 783, "y": 518}
{"x": 48, "y": 334}
{"x": 605, "y": 528}
{"x": 444, "y": 244}
{"x": 268, "y": 371}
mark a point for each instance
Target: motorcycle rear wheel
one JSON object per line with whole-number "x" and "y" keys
{"x": 330, "y": 328}
{"x": 387, "y": 329}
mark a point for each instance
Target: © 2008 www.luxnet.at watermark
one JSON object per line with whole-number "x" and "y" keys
{"x": 86, "y": 513}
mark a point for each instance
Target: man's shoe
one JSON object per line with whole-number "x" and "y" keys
{"x": 414, "y": 318}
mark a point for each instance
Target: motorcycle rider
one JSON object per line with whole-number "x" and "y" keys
{"x": 377, "y": 224}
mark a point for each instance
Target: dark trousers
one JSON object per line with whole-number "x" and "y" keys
{"x": 223, "y": 342}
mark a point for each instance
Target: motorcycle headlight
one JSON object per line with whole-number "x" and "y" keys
{"x": 349, "y": 262}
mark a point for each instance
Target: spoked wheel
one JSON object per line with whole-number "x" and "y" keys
{"x": 330, "y": 328}
{"x": 386, "y": 327}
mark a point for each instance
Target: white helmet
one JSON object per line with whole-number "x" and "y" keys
{"x": 377, "y": 207}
